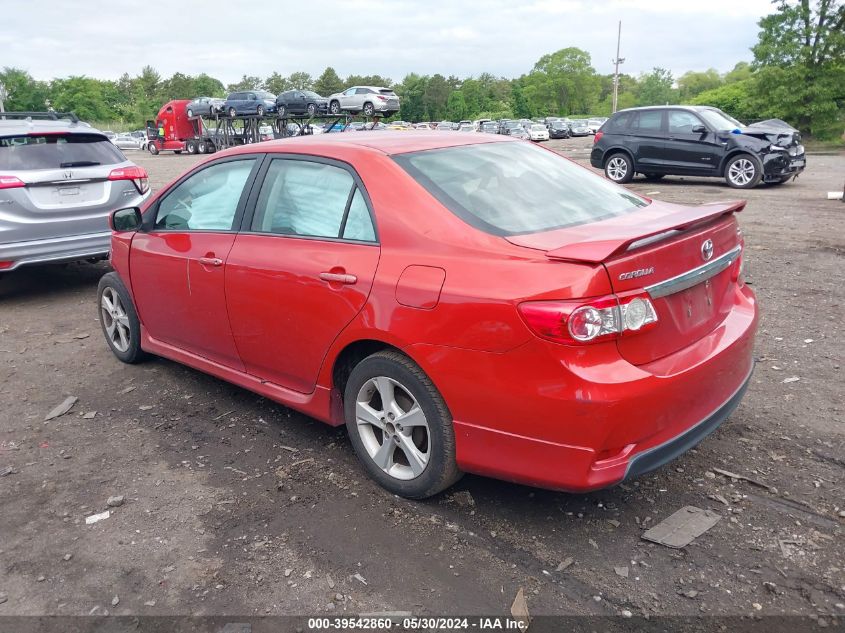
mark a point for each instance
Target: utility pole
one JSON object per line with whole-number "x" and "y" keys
{"x": 3, "y": 95}
{"x": 617, "y": 61}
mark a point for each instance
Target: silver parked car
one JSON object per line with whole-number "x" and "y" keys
{"x": 59, "y": 180}
{"x": 365, "y": 99}
{"x": 129, "y": 141}
{"x": 204, "y": 105}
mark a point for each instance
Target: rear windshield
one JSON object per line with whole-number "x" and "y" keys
{"x": 515, "y": 188}
{"x": 57, "y": 151}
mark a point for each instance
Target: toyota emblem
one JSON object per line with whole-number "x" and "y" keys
{"x": 707, "y": 250}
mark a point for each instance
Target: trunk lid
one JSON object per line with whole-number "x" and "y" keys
{"x": 661, "y": 249}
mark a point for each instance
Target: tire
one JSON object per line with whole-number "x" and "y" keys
{"x": 115, "y": 308}
{"x": 743, "y": 171}
{"x": 201, "y": 147}
{"x": 312, "y": 109}
{"x": 281, "y": 110}
{"x": 334, "y": 107}
{"x": 190, "y": 113}
{"x": 369, "y": 110}
{"x": 619, "y": 168}
{"x": 232, "y": 113}
{"x": 153, "y": 149}
{"x": 191, "y": 147}
{"x": 259, "y": 110}
{"x": 653, "y": 176}
{"x": 430, "y": 442}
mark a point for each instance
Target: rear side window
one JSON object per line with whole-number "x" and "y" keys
{"x": 57, "y": 151}
{"x": 516, "y": 188}
{"x": 620, "y": 122}
{"x": 647, "y": 121}
{"x": 311, "y": 199}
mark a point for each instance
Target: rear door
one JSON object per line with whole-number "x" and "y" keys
{"x": 66, "y": 187}
{"x": 648, "y": 139}
{"x": 301, "y": 268}
{"x": 687, "y": 151}
{"x": 178, "y": 263}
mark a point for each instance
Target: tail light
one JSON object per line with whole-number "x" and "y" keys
{"x": 382, "y": 98}
{"x": 578, "y": 322}
{"x": 11, "y": 182}
{"x": 597, "y": 137}
{"x": 136, "y": 174}
{"x": 5, "y": 265}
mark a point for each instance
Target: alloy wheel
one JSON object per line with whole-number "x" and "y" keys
{"x": 393, "y": 428}
{"x": 115, "y": 319}
{"x": 617, "y": 168}
{"x": 741, "y": 172}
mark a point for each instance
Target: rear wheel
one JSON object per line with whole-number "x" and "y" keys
{"x": 282, "y": 111}
{"x": 191, "y": 146}
{"x": 119, "y": 320}
{"x": 369, "y": 109}
{"x": 400, "y": 426}
{"x": 201, "y": 147}
{"x": 619, "y": 168}
{"x": 334, "y": 107}
{"x": 260, "y": 110}
{"x": 743, "y": 172}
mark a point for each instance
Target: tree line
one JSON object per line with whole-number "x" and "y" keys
{"x": 797, "y": 74}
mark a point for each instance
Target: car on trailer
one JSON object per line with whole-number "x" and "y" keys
{"x": 204, "y": 106}
{"x": 259, "y": 102}
{"x": 301, "y": 102}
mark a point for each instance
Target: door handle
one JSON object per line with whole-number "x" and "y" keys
{"x": 210, "y": 261}
{"x": 339, "y": 278}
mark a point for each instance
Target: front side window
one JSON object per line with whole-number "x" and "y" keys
{"x": 514, "y": 188}
{"x": 207, "y": 200}
{"x": 310, "y": 199}
{"x": 681, "y": 122}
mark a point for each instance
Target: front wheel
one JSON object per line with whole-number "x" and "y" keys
{"x": 190, "y": 113}
{"x": 619, "y": 168}
{"x": 232, "y": 113}
{"x": 312, "y": 109}
{"x": 119, "y": 320}
{"x": 153, "y": 149}
{"x": 743, "y": 172}
{"x": 400, "y": 426}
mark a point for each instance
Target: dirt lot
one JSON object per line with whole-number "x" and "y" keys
{"x": 237, "y": 506}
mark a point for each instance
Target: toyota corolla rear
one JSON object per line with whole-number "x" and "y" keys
{"x": 57, "y": 187}
{"x": 638, "y": 327}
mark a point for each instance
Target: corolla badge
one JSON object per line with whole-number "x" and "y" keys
{"x": 707, "y": 250}
{"x": 633, "y": 274}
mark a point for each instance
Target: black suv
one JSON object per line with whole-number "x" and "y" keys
{"x": 696, "y": 141}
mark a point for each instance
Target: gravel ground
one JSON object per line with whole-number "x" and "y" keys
{"x": 237, "y": 506}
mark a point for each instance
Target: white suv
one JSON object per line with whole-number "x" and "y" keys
{"x": 365, "y": 99}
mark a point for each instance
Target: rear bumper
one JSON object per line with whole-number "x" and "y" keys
{"x": 57, "y": 249}
{"x": 581, "y": 419}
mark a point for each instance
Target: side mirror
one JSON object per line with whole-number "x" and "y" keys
{"x": 125, "y": 219}
{"x": 698, "y": 129}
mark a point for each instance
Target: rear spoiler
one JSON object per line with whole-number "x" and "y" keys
{"x": 597, "y": 251}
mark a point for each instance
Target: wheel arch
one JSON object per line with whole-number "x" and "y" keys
{"x": 618, "y": 149}
{"x": 732, "y": 154}
{"x": 352, "y": 354}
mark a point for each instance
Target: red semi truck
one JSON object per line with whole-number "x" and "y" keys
{"x": 174, "y": 131}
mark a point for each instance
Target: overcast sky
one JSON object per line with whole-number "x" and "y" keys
{"x": 226, "y": 39}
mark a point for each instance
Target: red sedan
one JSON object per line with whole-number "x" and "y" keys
{"x": 463, "y": 303}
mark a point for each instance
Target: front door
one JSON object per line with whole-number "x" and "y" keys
{"x": 689, "y": 152}
{"x": 177, "y": 265}
{"x": 301, "y": 269}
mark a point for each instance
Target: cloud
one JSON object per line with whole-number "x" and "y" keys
{"x": 103, "y": 38}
